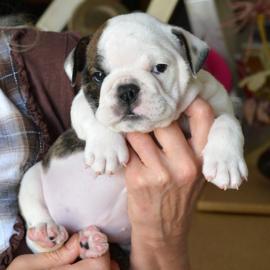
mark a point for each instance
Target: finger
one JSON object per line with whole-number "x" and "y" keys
{"x": 99, "y": 263}
{"x": 173, "y": 141}
{"x": 87, "y": 264}
{"x": 102, "y": 262}
{"x": 145, "y": 148}
{"x": 133, "y": 167}
{"x": 201, "y": 118}
{"x": 134, "y": 162}
{"x": 114, "y": 265}
{"x": 65, "y": 255}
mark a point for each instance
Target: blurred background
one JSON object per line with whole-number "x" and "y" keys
{"x": 230, "y": 230}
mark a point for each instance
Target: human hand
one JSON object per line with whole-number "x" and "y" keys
{"x": 62, "y": 259}
{"x": 162, "y": 184}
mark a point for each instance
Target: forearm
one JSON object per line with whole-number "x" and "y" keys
{"x": 156, "y": 243}
{"x": 153, "y": 255}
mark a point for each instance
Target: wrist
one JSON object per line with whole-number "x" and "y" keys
{"x": 149, "y": 253}
{"x": 161, "y": 232}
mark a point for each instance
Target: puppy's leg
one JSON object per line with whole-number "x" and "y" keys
{"x": 93, "y": 243}
{"x": 223, "y": 160}
{"x": 105, "y": 150}
{"x": 42, "y": 232}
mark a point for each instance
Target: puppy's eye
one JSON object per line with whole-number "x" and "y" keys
{"x": 159, "y": 68}
{"x": 98, "y": 76}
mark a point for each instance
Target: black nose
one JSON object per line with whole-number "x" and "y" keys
{"x": 128, "y": 93}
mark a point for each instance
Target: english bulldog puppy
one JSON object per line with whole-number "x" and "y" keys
{"x": 136, "y": 74}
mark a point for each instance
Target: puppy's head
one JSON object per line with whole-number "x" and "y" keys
{"x": 135, "y": 71}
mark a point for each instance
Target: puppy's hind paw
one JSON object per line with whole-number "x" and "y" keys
{"x": 46, "y": 237}
{"x": 93, "y": 243}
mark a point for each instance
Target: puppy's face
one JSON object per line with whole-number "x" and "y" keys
{"x": 136, "y": 71}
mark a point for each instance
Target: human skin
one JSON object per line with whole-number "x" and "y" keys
{"x": 63, "y": 259}
{"x": 163, "y": 183}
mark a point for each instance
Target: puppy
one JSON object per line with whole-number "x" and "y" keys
{"x": 136, "y": 74}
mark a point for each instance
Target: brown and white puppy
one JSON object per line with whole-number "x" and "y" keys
{"x": 136, "y": 74}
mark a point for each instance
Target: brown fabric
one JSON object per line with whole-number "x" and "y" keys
{"x": 43, "y": 77}
{"x": 21, "y": 146}
{"x": 33, "y": 109}
{"x": 7, "y": 256}
{"x": 39, "y": 58}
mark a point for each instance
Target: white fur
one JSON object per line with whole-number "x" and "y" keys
{"x": 130, "y": 46}
{"x": 163, "y": 96}
{"x": 69, "y": 65}
{"x": 223, "y": 160}
{"x": 31, "y": 202}
{"x": 105, "y": 149}
{"x": 142, "y": 49}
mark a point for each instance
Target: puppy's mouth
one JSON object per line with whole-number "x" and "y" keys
{"x": 130, "y": 116}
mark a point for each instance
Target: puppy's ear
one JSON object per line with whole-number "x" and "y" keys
{"x": 76, "y": 60}
{"x": 195, "y": 50}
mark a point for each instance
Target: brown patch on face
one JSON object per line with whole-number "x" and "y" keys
{"x": 91, "y": 52}
{"x": 91, "y": 87}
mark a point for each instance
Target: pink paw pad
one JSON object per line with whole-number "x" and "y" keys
{"x": 93, "y": 243}
{"x": 48, "y": 235}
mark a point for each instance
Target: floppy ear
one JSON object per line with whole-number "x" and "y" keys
{"x": 195, "y": 50}
{"x": 76, "y": 60}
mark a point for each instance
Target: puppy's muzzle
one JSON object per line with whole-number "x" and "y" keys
{"x": 128, "y": 93}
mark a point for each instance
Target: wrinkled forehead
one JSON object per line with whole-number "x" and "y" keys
{"x": 125, "y": 43}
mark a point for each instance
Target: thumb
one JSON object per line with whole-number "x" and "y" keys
{"x": 102, "y": 262}
{"x": 65, "y": 255}
{"x": 114, "y": 266}
{"x": 99, "y": 263}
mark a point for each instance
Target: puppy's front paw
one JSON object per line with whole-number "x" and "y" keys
{"x": 46, "y": 237}
{"x": 225, "y": 168}
{"x": 93, "y": 243}
{"x": 105, "y": 153}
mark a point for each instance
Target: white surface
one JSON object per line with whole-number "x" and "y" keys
{"x": 205, "y": 23}
{"x": 6, "y": 230}
{"x": 162, "y": 9}
{"x": 58, "y": 14}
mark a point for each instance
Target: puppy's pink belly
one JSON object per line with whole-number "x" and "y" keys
{"x": 76, "y": 198}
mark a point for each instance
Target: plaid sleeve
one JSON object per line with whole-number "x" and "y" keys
{"x": 21, "y": 144}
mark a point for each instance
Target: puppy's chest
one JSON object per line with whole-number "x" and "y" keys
{"x": 77, "y": 198}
